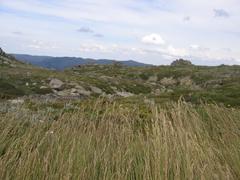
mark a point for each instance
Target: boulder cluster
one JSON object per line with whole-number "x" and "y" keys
{"x": 181, "y": 62}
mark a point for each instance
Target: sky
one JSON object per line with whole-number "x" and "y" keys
{"x": 207, "y": 32}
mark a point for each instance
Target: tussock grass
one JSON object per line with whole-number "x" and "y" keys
{"x": 107, "y": 140}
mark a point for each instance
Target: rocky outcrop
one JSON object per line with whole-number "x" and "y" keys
{"x": 1, "y": 52}
{"x": 181, "y": 62}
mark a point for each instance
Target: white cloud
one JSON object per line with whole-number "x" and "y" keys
{"x": 194, "y": 46}
{"x": 38, "y": 44}
{"x": 171, "y": 51}
{"x": 94, "y": 48}
{"x": 155, "y": 39}
{"x": 181, "y": 52}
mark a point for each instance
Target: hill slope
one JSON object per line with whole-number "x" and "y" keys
{"x": 118, "y": 122}
{"x": 158, "y": 84}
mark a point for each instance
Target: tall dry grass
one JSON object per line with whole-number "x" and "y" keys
{"x": 112, "y": 141}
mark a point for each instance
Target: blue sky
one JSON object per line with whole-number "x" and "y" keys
{"x": 150, "y": 31}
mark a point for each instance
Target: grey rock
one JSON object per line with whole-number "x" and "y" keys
{"x": 153, "y": 78}
{"x": 149, "y": 101}
{"x": 96, "y": 90}
{"x": 84, "y": 92}
{"x": 17, "y": 101}
{"x": 43, "y": 87}
{"x": 186, "y": 81}
{"x": 63, "y": 93}
{"x": 169, "y": 91}
{"x": 56, "y": 84}
{"x": 168, "y": 81}
{"x": 124, "y": 94}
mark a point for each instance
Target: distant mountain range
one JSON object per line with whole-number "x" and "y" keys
{"x": 61, "y": 63}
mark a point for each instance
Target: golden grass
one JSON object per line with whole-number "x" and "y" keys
{"x": 110, "y": 141}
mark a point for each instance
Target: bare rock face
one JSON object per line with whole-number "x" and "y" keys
{"x": 56, "y": 84}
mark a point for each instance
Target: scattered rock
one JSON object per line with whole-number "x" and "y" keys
{"x": 13, "y": 65}
{"x": 149, "y": 101}
{"x": 157, "y": 92}
{"x": 56, "y": 84}
{"x": 114, "y": 88}
{"x": 6, "y": 62}
{"x": 168, "y": 81}
{"x": 80, "y": 90}
{"x": 106, "y": 78}
{"x": 96, "y": 90}
{"x": 84, "y": 92}
{"x": 153, "y": 78}
{"x": 73, "y": 90}
{"x": 189, "y": 83}
{"x": 17, "y": 101}
{"x": 169, "y": 91}
{"x": 124, "y": 94}
{"x": 79, "y": 87}
{"x": 63, "y": 93}
{"x": 186, "y": 81}
{"x": 43, "y": 87}
{"x": 214, "y": 83}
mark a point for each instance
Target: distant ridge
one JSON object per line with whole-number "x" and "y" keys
{"x": 61, "y": 63}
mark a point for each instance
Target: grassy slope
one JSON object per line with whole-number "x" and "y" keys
{"x": 135, "y": 80}
{"x": 125, "y": 138}
{"x": 112, "y": 140}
